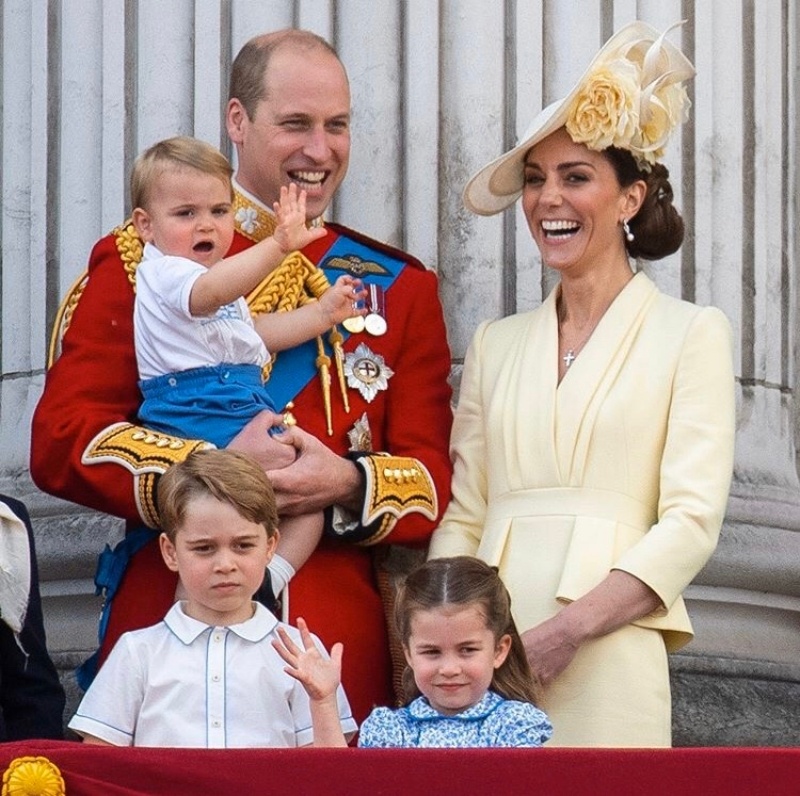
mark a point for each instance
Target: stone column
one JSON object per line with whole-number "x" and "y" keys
{"x": 739, "y": 681}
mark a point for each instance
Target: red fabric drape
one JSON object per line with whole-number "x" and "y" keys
{"x": 110, "y": 771}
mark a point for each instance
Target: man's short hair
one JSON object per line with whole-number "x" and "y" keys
{"x": 247, "y": 83}
{"x": 179, "y": 152}
{"x": 228, "y": 476}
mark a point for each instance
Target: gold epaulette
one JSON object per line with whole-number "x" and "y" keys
{"x": 130, "y": 248}
{"x": 295, "y": 282}
{"x": 144, "y": 453}
{"x": 395, "y": 486}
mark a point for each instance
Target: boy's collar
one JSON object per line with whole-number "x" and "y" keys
{"x": 188, "y": 629}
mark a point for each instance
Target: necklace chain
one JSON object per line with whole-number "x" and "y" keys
{"x": 573, "y": 351}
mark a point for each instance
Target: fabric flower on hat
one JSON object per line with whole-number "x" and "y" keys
{"x": 632, "y": 101}
{"x": 662, "y": 111}
{"x": 605, "y": 111}
{"x": 631, "y": 97}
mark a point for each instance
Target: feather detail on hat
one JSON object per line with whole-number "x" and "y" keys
{"x": 631, "y": 97}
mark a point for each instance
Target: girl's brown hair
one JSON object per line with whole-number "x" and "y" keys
{"x": 463, "y": 581}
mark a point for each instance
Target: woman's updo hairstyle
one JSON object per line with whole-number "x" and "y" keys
{"x": 658, "y": 227}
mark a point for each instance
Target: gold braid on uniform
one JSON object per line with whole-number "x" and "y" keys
{"x": 395, "y": 485}
{"x": 144, "y": 453}
{"x": 130, "y": 248}
{"x": 294, "y": 283}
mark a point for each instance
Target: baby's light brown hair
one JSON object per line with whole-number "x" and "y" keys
{"x": 181, "y": 152}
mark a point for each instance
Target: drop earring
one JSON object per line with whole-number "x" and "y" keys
{"x": 627, "y": 230}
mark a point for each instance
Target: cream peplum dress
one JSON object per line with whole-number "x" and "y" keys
{"x": 624, "y": 465}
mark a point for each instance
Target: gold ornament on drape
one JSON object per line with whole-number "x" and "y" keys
{"x": 33, "y": 776}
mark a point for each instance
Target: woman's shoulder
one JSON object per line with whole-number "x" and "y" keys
{"x": 510, "y": 327}
{"x": 680, "y": 308}
{"x": 679, "y": 315}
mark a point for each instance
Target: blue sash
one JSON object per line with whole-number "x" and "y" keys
{"x": 295, "y": 368}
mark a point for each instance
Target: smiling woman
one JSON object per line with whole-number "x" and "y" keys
{"x": 593, "y": 441}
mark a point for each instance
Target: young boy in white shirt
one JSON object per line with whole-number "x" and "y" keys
{"x": 212, "y": 673}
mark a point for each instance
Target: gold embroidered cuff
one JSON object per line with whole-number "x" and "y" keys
{"x": 144, "y": 453}
{"x": 395, "y": 486}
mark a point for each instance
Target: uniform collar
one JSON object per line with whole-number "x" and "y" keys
{"x": 253, "y": 219}
{"x": 188, "y": 629}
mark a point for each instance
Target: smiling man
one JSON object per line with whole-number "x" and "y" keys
{"x": 289, "y": 118}
{"x": 372, "y": 404}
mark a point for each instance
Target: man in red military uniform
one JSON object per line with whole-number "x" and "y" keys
{"x": 372, "y": 405}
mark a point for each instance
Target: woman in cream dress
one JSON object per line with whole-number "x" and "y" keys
{"x": 593, "y": 441}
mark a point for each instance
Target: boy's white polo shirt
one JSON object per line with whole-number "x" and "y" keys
{"x": 184, "y": 683}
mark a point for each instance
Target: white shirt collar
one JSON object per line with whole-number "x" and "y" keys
{"x": 187, "y": 629}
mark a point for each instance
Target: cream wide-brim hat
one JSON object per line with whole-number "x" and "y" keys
{"x": 499, "y": 184}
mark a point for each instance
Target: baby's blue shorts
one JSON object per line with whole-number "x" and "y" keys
{"x": 212, "y": 403}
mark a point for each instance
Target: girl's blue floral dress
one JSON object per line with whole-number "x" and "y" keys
{"x": 494, "y": 721}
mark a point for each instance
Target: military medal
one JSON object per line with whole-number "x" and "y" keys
{"x": 375, "y": 322}
{"x": 367, "y": 372}
{"x": 355, "y": 324}
{"x": 360, "y": 435}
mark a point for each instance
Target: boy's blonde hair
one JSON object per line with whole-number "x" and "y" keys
{"x": 174, "y": 153}
{"x": 227, "y": 476}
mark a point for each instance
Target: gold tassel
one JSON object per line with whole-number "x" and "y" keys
{"x": 294, "y": 283}
{"x": 336, "y": 340}
{"x": 324, "y": 366}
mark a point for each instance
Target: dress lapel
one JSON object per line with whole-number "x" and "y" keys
{"x": 582, "y": 391}
{"x": 523, "y": 392}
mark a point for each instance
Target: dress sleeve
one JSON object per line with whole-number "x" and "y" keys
{"x": 696, "y": 466}
{"x": 462, "y": 525}
{"x": 384, "y": 729}
{"x": 519, "y": 724}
